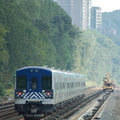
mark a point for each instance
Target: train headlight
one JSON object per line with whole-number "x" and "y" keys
{"x": 48, "y": 93}
{"x": 19, "y": 93}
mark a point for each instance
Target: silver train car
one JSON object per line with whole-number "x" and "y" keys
{"x": 41, "y": 90}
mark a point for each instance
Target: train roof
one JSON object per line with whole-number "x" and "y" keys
{"x": 48, "y": 69}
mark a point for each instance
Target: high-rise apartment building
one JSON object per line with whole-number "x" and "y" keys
{"x": 82, "y": 14}
{"x": 96, "y": 18}
{"x": 79, "y": 10}
{"x": 65, "y": 4}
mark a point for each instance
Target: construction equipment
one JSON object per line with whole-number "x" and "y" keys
{"x": 108, "y": 85}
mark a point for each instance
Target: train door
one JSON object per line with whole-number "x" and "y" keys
{"x": 34, "y": 84}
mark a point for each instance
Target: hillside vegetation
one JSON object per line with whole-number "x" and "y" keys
{"x": 111, "y": 21}
{"x": 33, "y": 33}
{"x": 40, "y": 33}
{"x": 97, "y": 55}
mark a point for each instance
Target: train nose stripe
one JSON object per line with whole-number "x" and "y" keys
{"x": 26, "y": 95}
{"x": 33, "y": 95}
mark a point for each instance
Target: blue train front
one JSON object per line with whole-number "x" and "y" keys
{"x": 41, "y": 90}
{"x": 33, "y": 90}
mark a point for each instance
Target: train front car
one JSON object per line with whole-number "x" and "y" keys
{"x": 33, "y": 91}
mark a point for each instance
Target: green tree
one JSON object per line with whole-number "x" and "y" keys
{"x": 4, "y": 58}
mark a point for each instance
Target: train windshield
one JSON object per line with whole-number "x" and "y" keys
{"x": 34, "y": 83}
{"x": 46, "y": 82}
{"x": 21, "y": 82}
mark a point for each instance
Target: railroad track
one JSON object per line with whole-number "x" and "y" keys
{"x": 68, "y": 110}
{"x": 100, "y": 108}
{"x": 7, "y": 110}
{"x": 94, "y": 110}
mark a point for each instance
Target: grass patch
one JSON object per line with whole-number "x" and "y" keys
{"x": 91, "y": 84}
{"x": 9, "y": 92}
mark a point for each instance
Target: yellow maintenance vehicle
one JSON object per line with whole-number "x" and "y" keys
{"x": 108, "y": 85}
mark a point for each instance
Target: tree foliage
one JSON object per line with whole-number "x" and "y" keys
{"x": 111, "y": 23}
{"x": 96, "y": 55}
{"x": 40, "y": 33}
{"x": 34, "y": 33}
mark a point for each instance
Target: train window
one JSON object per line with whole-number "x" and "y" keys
{"x": 46, "y": 82}
{"x": 21, "y": 82}
{"x": 60, "y": 85}
{"x": 34, "y": 83}
{"x": 63, "y": 85}
{"x": 84, "y": 84}
{"x": 81, "y": 83}
{"x": 67, "y": 85}
{"x": 56, "y": 85}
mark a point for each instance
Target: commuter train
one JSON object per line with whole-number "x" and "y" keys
{"x": 40, "y": 90}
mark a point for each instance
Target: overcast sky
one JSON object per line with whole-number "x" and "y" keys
{"x": 107, "y": 5}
